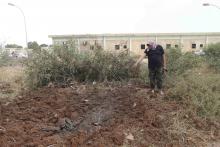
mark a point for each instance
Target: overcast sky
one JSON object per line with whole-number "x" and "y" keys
{"x": 53, "y": 17}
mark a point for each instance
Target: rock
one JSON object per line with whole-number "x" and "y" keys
{"x": 130, "y": 137}
{"x": 96, "y": 124}
{"x": 2, "y": 130}
{"x": 186, "y": 116}
{"x": 50, "y": 85}
{"x": 56, "y": 115}
{"x": 19, "y": 96}
{"x": 7, "y": 103}
{"x": 134, "y": 105}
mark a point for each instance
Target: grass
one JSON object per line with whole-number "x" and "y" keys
{"x": 200, "y": 90}
{"x": 194, "y": 80}
{"x": 11, "y": 81}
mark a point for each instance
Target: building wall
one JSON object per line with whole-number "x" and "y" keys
{"x": 213, "y": 39}
{"x": 116, "y": 44}
{"x": 89, "y": 44}
{"x": 136, "y": 43}
{"x": 133, "y": 43}
{"x": 187, "y": 42}
{"x": 171, "y": 41}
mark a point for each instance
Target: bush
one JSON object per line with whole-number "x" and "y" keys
{"x": 189, "y": 81}
{"x": 178, "y": 63}
{"x": 201, "y": 91}
{"x": 62, "y": 66}
{"x": 212, "y": 54}
{"x": 4, "y": 58}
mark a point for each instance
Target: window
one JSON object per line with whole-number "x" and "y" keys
{"x": 168, "y": 46}
{"x": 142, "y": 46}
{"x": 201, "y": 45}
{"x": 193, "y": 46}
{"x": 117, "y": 47}
{"x": 176, "y": 46}
{"x": 85, "y": 43}
{"x": 125, "y": 46}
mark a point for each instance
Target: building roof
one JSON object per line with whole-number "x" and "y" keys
{"x": 136, "y": 35}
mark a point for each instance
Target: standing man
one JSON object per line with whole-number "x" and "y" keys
{"x": 156, "y": 65}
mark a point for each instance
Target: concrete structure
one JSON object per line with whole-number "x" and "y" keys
{"x": 136, "y": 43}
{"x": 17, "y": 52}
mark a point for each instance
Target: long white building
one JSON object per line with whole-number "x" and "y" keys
{"x": 135, "y": 43}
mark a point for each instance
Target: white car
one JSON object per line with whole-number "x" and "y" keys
{"x": 22, "y": 55}
{"x": 199, "y": 52}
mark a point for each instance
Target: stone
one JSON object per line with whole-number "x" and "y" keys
{"x": 130, "y": 137}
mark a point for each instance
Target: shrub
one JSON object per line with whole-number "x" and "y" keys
{"x": 201, "y": 91}
{"x": 212, "y": 54}
{"x": 4, "y": 58}
{"x": 189, "y": 81}
{"x": 61, "y": 66}
{"x": 178, "y": 63}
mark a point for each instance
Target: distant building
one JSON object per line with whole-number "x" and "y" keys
{"x": 136, "y": 43}
{"x": 17, "y": 52}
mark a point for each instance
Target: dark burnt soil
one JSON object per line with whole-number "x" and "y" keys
{"x": 101, "y": 116}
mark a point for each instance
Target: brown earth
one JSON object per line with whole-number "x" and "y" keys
{"x": 101, "y": 115}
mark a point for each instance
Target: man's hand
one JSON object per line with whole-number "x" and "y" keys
{"x": 139, "y": 61}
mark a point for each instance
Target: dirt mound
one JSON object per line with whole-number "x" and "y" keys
{"x": 100, "y": 115}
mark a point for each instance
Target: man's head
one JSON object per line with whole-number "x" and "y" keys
{"x": 151, "y": 45}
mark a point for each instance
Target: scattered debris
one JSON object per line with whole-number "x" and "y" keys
{"x": 2, "y": 130}
{"x": 65, "y": 124}
{"x": 134, "y": 105}
{"x": 130, "y": 137}
{"x": 85, "y": 100}
{"x": 96, "y": 124}
{"x": 51, "y": 85}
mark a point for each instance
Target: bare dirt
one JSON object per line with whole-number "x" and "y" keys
{"x": 101, "y": 115}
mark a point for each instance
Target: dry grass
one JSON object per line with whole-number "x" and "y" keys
{"x": 11, "y": 81}
{"x": 178, "y": 130}
{"x": 181, "y": 129}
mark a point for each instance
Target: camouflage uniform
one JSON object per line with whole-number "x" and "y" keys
{"x": 156, "y": 77}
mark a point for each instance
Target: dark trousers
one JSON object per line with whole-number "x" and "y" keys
{"x": 156, "y": 77}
